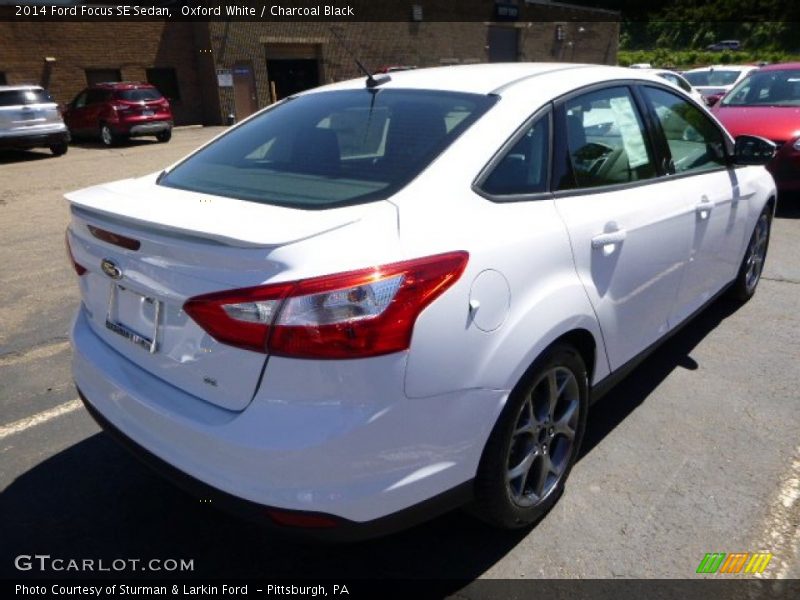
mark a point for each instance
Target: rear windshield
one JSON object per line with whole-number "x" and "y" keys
{"x": 17, "y": 97}
{"x": 712, "y": 78}
{"x": 139, "y": 94}
{"x": 766, "y": 88}
{"x": 331, "y": 148}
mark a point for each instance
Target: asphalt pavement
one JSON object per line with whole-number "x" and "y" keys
{"x": 696, "y": 451}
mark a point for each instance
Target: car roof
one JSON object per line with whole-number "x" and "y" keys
{"x": 493, "y": 78}
{"x": 722, "y": 68}
{"x": 657, "y": 71}
{"x": 13, "y": 88}
{"x": 121, "y": 85}
{"x": 781, "y": 66}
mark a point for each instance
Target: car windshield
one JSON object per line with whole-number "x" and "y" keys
{"x": 17, "y": 97}
{"x": 138, "y": 95}
{"x": 331, "y": 148}
{"x": 711, "y": 78}
{"x": 766, "y": 88}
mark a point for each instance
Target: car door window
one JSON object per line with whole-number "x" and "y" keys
{"x": 95, "y": 97}
{"x": 695, "y": 143}
{"x": 606, "y": 139}
{"x": 523, "y": 169}
{"x": 80, "y": 101}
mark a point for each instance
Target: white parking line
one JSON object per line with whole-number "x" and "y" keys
{"x": 39, "y": 418}
{"x": 38, "y": 353}
{"x": 781, "y": 534}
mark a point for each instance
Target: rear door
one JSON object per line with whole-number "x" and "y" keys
{"x": 75, "y": 116}
{"x": 630, "y": 232}
{"x": 94, "y": 109}
{"x": 697, "y": 166}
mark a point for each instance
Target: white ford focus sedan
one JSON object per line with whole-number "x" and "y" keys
{"x": 384, "y": 298}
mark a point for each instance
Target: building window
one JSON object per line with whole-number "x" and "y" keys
{"x": 94, "y": 76}
{"x": 166, "y": 80}
{"x": 3, "y": 78}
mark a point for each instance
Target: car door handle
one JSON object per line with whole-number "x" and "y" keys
{"x": 704, "y": 208}
{"x": 609, "y": 238}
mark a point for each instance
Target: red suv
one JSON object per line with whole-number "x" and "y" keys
{"x": 116, "y": 111}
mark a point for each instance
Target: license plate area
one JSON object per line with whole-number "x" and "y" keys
{"x": 134, "y": 316}
{"x": 148, "y": 113}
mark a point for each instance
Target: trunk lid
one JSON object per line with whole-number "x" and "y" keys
{"x": 192, "y": 244}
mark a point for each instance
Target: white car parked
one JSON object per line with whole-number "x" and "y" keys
{"x": 679, "y": 81}
{"x": 717, "y": 80}
{"x": 370, "y": 303}
{"x": 29, "y": 118}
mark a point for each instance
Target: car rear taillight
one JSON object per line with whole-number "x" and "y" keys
{"x": 121, "y": 107}
{"x": 79, "y": 269}
{"x": 356, "y": 314}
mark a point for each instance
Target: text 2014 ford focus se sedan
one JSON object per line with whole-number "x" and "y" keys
{"x": 383, "y": 298}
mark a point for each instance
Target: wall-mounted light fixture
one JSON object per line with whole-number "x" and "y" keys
{"x": 416, "y": 12}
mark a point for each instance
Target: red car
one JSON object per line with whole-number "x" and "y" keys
{"x": 767, "y": 104}
{"x": 117, "y": 111}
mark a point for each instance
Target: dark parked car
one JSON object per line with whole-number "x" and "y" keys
{"x": 29, "y": 118}
{"x": 725, "y": 45}
{"x": 767, "y": 104}
{"x": 117, "y": 111}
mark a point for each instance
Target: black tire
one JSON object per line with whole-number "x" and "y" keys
{"x": 164, "y": 136}
{"x": 746, "y": 282}
{"x": 107, "y": 136}
{"x": 512, "y": 502}
{"x": 59, "y": 149}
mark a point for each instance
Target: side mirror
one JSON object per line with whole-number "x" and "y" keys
{"x": 753, "y": 150}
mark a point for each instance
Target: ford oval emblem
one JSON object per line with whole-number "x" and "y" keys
{"x": 111, "y": 269}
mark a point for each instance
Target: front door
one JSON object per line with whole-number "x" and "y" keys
{"x": 696, "y": 152}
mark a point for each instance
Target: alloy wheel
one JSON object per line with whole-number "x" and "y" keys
{"x": 757, "y": 253}
{"x": 543, "y": 437}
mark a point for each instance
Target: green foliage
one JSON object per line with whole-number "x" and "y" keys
{"x": 765, "y": 25}
{"x": 686, "y": 59}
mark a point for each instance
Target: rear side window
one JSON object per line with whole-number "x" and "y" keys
{"x": 139, "y": 95}
{"x": 524, "y": 168}
{"x": 718, "y": 77}
{"x": 331, "y": 148}
{"x": 606, "y": 139}
{"x": 17, "y": 97}
{"x": 695, "y": 143}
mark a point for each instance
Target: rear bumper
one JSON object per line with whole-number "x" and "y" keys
{"x": 37, "y": 140}
{"x": 374, "y": 468}
{"x": 345, "y": 530}
{"x": 146, "y": 128}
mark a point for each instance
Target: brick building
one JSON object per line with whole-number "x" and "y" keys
{"x": 211, "y": 70}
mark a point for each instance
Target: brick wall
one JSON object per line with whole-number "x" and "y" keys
{"x": 423, "y": 44}
{"x": 131, "y": 47}
{"x": 196, "y": 50}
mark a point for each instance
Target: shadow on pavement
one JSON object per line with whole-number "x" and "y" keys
{"x": 18, "y": 156}
{"x": 633, "y": 390}
{"x": 93, "y": 500}
{"x": 90, "y": 144}
{"x": 788, "y": 206}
